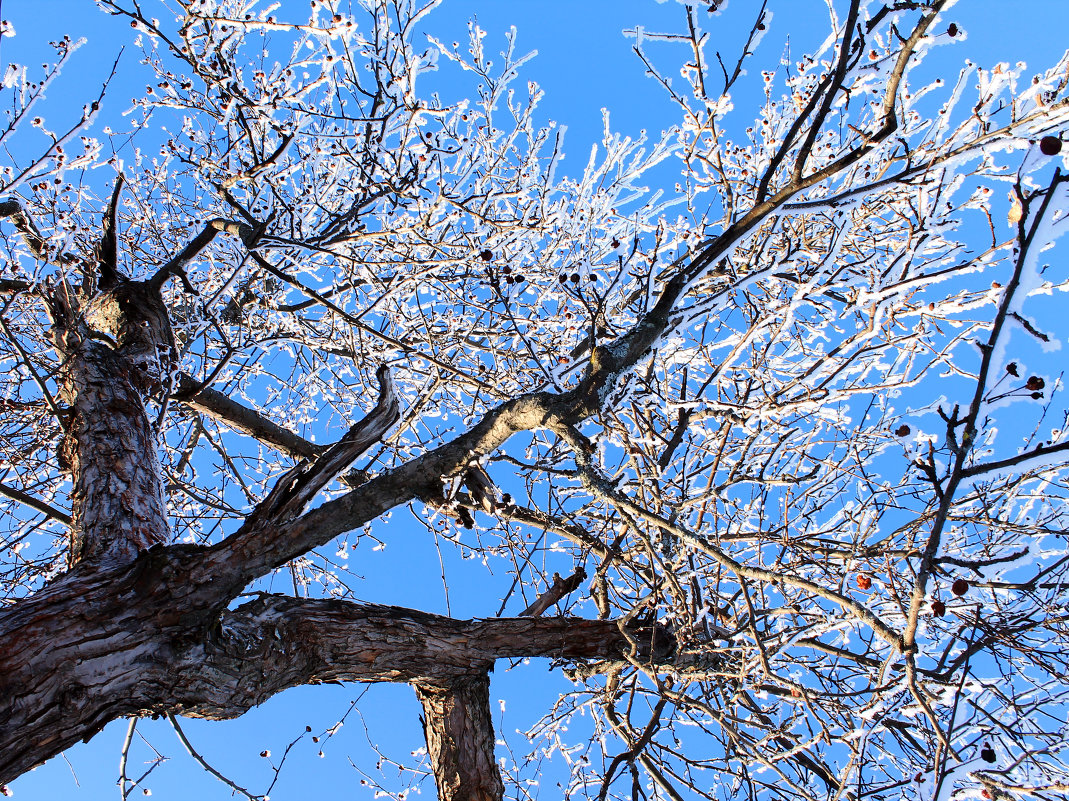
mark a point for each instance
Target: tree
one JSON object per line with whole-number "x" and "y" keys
{"x": 739, "y": 446}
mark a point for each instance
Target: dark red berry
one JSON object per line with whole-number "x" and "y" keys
{"x": 987, "y": 753}
{"x": 952, "y": 29}
{"x": 1050, "y": 145}
{"x": 959, "y": 587}
{"x": 939, "y": 608}
{"x": 1035, "y": 382}
{"x": 575, "y": 278}
{"x": 563, "y": 278}
{"x": 486, "y": 255}
{"x": 1011, "y": 368}
{"x": 902, "y": 431}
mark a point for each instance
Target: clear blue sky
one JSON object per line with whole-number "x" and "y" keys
{"x": 584, "y": 64}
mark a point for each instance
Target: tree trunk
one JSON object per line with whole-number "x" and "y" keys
{"x": 117, "y": 505}
{"x": 460, "y": 738}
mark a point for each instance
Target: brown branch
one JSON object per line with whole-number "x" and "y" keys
{"x": 241, "y": 418}
{"x": 35, "y": 503}
{"x": 276, "y": 642}
{"x": 256, "y": 169}
{"x": 31, "y": 235}
{"x": 459, "y": 729}
{"x": 558, "y": 590}
{"x": 1039, "y": 452}
{"x": 106, "y": 251}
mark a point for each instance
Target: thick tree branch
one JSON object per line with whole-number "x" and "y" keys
{"x": 276, "y": 642}
{"x": 31, "y": 235}
{"x": 106, "y": 252}
{"x": 80, "y": 653}
{"x": 34, "y": 503}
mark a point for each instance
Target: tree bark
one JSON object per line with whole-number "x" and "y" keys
{"x": 460, "y": 738}
{"x": 117, "y": 505}
{"x": 153, "y": 636}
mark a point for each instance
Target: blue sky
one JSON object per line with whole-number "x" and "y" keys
{"x": 584, "y": 64}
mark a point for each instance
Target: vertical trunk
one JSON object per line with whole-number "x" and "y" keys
{"x": 117, "y": 505}
{"x": 116, "y": 350}
{"x": 460, "y": 738}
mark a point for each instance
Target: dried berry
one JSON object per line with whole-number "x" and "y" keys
{"x": 939, "y": 608}
{"x": 486, "y": 255}
{"x": 987, "y": 753}
{"x": 616, "y": 243}
{"x": 575, "y": 278}
{"x": 1035, "y": 382}
{"x": 563, "y": 278}
{"x": 959, "y": 587}
{"x": 1011, "y": 368}
{"x": 902, "y": 431}
{"x": 864, "y": 582}
{"x": 952, "y": 29}
{"x": 506, "y": 269}
{"x": 1050, "y": 145}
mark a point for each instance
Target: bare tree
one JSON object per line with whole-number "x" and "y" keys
{"x": 774, "y": 464}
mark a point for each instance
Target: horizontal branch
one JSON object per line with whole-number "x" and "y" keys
{"x": 1042, "y": 453}
{"x": 276, "y": 642}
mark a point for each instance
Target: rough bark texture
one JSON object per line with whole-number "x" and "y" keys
{"x": 460, "y": 738}
{"x": 107, "y": 641}
{"x": 115, "y": 349}
{"x": 117, "y": 505}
